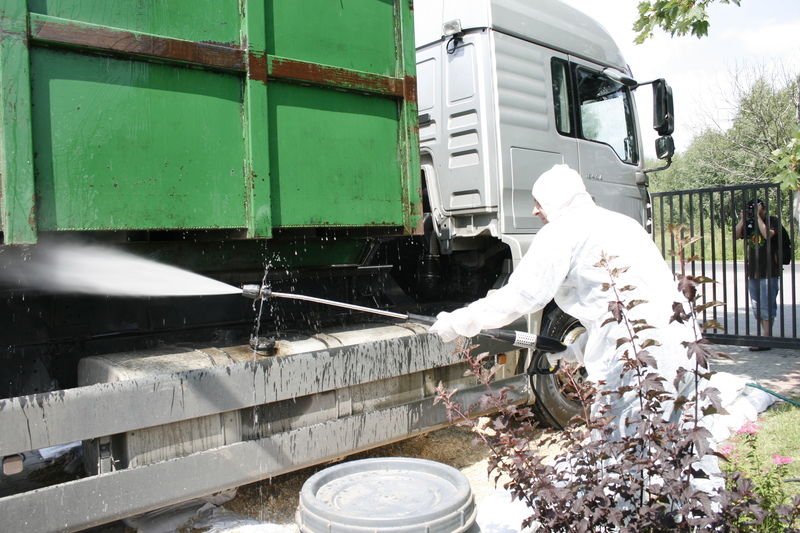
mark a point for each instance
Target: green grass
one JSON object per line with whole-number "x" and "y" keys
{"x": 780, "y": 433}
{"x": 723, "y": 248}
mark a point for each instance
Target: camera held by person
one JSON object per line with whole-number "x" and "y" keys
{"x": 750, "y": 216}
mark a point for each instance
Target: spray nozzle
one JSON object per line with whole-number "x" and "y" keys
{"x": 255, "y": 292}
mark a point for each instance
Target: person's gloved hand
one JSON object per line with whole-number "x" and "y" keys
{"x": 444, "y": 327}
{"x": 573, "y": 354}
{"x": 460, "y": 322}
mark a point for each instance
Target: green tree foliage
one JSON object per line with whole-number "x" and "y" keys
{"x": 697, "y": 167}
{"x": 786, "y": 165}
{"x": 760, "y": 143}
{"x": 765, "y": 122}
{"x": 690, "y": 17}
{"x": 740, "y": 151}
{"x": 676, "y": 17}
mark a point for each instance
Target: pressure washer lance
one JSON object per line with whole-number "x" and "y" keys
{"x": 520, "y": 339}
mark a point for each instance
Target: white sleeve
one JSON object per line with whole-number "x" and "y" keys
{"x": 544, "y": 269}
{"x": 532, "y": 285}
{"x": 496, "y": 310}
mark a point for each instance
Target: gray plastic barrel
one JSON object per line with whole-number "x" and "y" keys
{"x": 396, "y": 494}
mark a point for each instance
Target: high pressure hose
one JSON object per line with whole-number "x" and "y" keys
{"x": 521, "y": 339}
{"x": 541, "y": 345}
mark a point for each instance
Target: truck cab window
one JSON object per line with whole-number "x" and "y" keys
{"x": 561, "y": 97}
{"x": 606, "y": 114}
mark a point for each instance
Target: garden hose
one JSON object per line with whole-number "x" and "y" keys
{"x": 756, "y": 386}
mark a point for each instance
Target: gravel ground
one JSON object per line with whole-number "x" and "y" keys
{"x": 777, "y": 369}
{"x": 276, "y": 500}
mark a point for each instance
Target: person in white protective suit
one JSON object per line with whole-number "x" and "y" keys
{"x": 561, "y": 264}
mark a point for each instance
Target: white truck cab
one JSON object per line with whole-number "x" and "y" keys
{"x": 507, "y": 89}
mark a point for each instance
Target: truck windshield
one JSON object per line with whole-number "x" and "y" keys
{"x": 606, "y": 114}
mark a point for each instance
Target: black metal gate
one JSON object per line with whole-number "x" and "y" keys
{"x": 713, "y": 214}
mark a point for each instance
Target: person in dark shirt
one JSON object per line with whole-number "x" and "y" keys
{"x": 762, "y": 263}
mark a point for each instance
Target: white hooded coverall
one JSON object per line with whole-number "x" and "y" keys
{"x": 561, "y": 265}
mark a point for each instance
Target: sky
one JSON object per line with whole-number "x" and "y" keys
{"x": 759, "y": 32}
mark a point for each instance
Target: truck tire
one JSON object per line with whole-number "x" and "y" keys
{"x": 553, "y": 407}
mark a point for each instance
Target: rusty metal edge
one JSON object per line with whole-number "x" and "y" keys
{"x": 18, "y": 222}
{"x": 53, "y": 30}
{"x": 46, "y": 30}
{"x": 290, "y": 69}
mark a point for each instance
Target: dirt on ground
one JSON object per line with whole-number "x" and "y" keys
{"x": 276, "y": 500}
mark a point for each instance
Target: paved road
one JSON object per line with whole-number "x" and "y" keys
{"x": 736, "y": 315}
{"x": 776, "y": 369}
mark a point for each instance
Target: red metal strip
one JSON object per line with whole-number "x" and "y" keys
{"x": 259, "y": 66}
{"x": 410, "y": 90}
{"x": 215, "y": 55}
{"x": 335, "y": 77}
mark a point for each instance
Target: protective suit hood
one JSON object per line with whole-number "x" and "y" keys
{"x": 560, "y": 189}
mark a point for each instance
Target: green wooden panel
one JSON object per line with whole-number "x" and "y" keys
{"x": 334, "y": 158}
{"x": 131, "y": 145}
{"x": 191, "y": 20}
{"x": 409, "y": 140}
{"x": 353, "y": 34}
{"x": 128, "y": 138}
{"x": 256, "y": 116}
{"x": 17, "y": 207}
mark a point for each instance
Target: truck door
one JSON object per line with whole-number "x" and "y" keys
{"x": 609, "y": 145}
{"x": 461, "y": 116}
{"x": 536, "y": 128}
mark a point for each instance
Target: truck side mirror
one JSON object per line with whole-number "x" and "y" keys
{"x": 663, "y": 109}
{"x": 665, "y": 147}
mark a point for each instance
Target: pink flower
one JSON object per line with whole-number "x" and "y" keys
{"x": 749, "y": 427}
{"x": 726, "y": 450}
{"x": 780, "y": 460}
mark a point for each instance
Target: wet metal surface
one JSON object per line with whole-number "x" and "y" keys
{"x": 314, "y": 406}
{"x": 49, "y": 419}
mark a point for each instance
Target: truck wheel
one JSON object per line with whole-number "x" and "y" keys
{"x": 553, "y": 406}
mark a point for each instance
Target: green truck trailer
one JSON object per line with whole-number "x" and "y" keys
{"x": 304, "y": 145}
{"x": 207, "y": 116}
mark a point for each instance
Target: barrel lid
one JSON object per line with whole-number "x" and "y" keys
{"x": 397, "y": 494}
